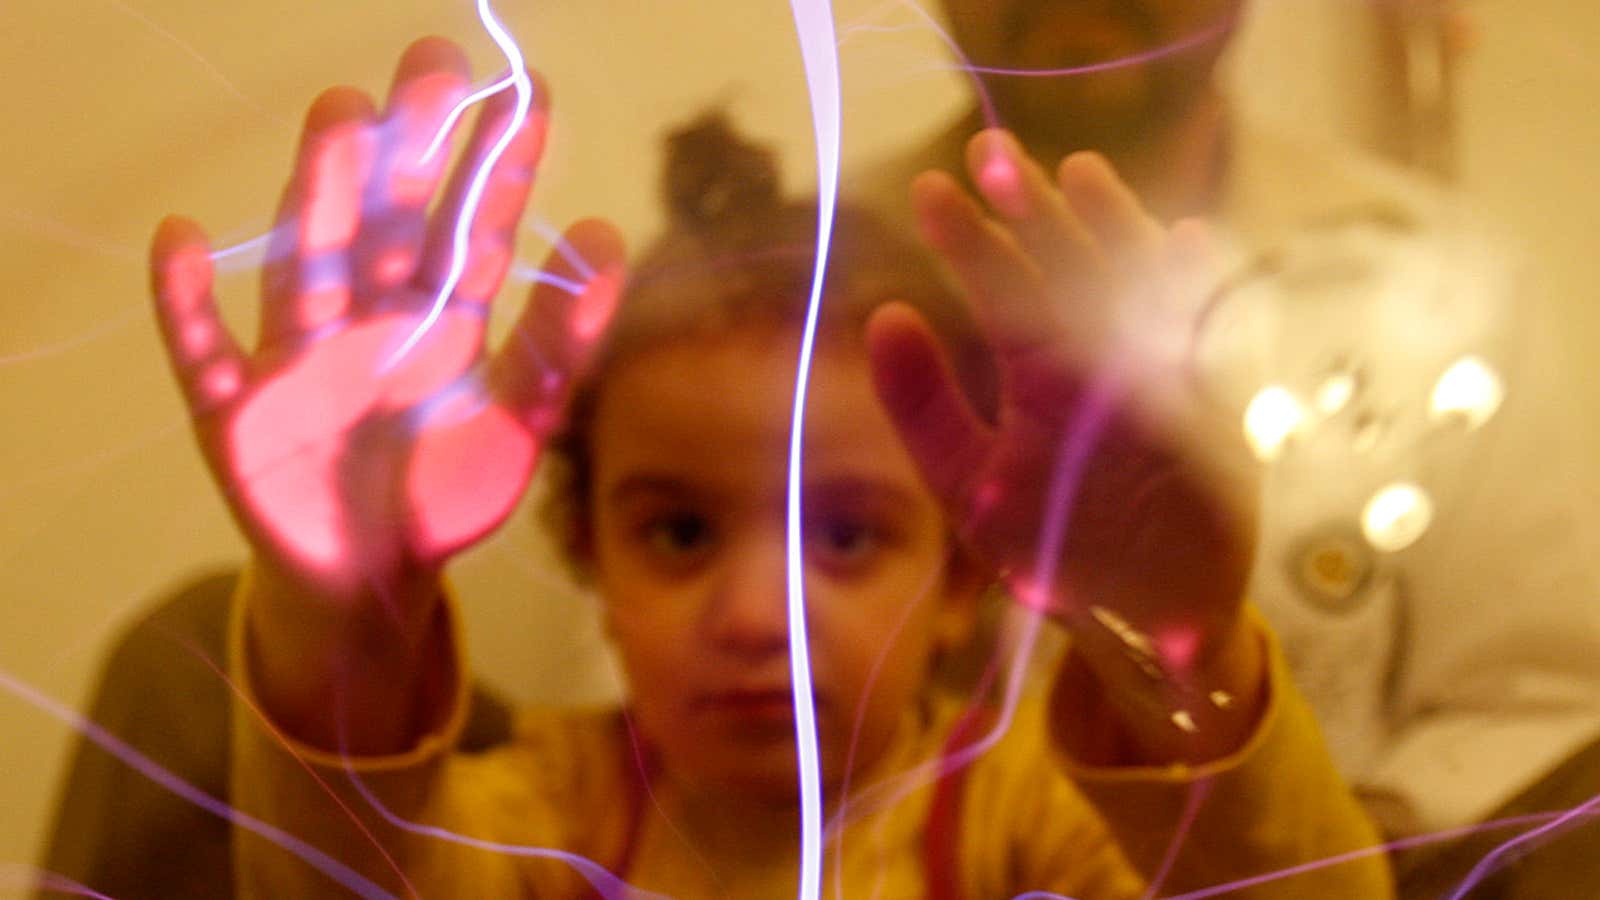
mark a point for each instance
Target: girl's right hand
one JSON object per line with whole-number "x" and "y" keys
{"x": 1106, "y": 491}
{"x": 369, "y": 436}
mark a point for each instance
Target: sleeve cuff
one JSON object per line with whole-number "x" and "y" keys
{"x": 428, "y": 747}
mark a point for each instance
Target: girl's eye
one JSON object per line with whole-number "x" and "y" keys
{"x": 678, "y": 534}
{"x": 845, "y": 541}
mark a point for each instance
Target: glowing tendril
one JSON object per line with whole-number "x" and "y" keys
{"x": 1526, "y": 842}
{"x": 536, "y": 275}
{"x": 480, "y": 179}
{"x": 152, "y": 770}
{"x": 458, "y": 111}
{"x": 608, "y": 885}
{"x": 245, "y": 252}
{"x": 1211, "y": 33}
{"x": 551, "y": 236}
{"x": 16, "y": 875}
{"x": 819, "y": 49}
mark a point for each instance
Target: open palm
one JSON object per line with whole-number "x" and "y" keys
{"x": 370, "y": 433}
{"x": 1104, "y": 491}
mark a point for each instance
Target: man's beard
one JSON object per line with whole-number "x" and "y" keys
{"x": 1070, "y": 117}
{"x": 1115, "y": 110}
{"x": 1027, "y": 15}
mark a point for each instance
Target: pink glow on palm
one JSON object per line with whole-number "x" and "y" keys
{"x": 324, "y": 305}
{"x": 466, "y": 477}
{"x": 291, "y": 441}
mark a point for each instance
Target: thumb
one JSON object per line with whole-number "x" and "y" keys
{"x": 916, "y": 383}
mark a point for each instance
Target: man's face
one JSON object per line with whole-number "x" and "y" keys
{"x": 689, "y": 444}
{"x": 1120, "y": 103}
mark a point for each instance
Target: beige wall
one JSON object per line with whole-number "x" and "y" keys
{"x": 1528, "y": 127}
{"x": 111, "y": 123}
{"x": 1530, "y": 140}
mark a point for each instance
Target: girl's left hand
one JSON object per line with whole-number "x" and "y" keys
{"x": 1106, "y": 494}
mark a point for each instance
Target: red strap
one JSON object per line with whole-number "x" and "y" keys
{"x": 941, "y": 838}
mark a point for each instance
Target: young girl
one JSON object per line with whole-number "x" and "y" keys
{"x": 1015, "y": 435}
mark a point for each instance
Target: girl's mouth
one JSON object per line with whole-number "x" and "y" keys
{"x": 757, "y": 705}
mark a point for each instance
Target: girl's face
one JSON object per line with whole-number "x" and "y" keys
{"x": 689, "y": 445}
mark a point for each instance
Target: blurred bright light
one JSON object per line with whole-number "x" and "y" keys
{"x": 1396, "y": 517}
{"x": 1271, "y": 418}
{"x": 1334, "y": 393}
{"x": 1468, "y": 388}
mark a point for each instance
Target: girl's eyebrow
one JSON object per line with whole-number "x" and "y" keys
{"x": 831, "y": 490}
{"x": 858, "y": 489}
{"x": 650, "y": 484}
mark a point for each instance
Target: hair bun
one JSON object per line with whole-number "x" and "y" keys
{"x": 714, "y": 175}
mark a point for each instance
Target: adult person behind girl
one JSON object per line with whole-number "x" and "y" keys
{"x": 357, "y": 470}
{"x": 1448, "y": 674}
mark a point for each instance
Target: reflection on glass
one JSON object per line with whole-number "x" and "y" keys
{"x": 1362, "y": 332}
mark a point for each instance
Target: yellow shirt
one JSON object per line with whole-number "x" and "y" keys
{"x": 1030, "y": 819}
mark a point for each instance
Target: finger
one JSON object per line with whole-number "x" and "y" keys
{"x": 306, "y": 283}
{"x": 1109, "y": 208}
{"x": 1162, "y": 368}
{"x": 1189, "y": 274}
{"x": 1191, "y": 251}
{"x": 472, "y": 237}
{"x": 566, "y": 316}
{"x": 431, "y": 79}
{"x": 204, "y": 356}
{"x": 917, "y": 385}
{"x": 1004, "y": 284}
{"x": 1020, "y": 191}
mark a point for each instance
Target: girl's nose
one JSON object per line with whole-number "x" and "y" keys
{"x": 748, "y": 612}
